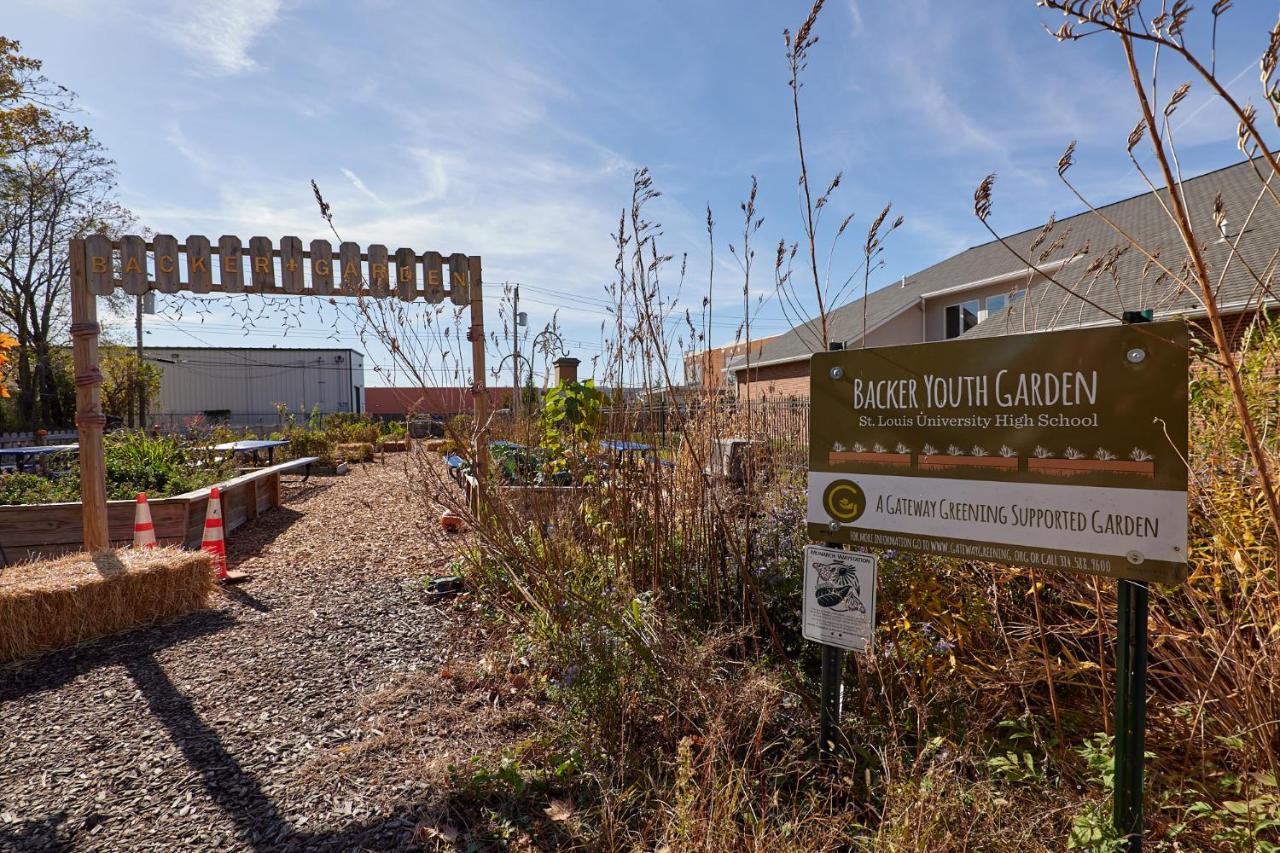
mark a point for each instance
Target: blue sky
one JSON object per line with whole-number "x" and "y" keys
{"x": 511, "y": 130}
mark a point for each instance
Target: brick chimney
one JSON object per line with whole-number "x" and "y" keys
{"x": 566, "y": 370}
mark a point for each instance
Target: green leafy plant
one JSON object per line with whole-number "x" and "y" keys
{"x": 1252, "y": 823}
{"x": 570, "y": 421}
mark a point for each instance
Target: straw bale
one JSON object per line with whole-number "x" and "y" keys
{"x": 50, "y": 604}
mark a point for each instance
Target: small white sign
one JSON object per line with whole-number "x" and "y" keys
{"x": 839, "y": 597}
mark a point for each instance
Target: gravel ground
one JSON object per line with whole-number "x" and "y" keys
{"x": 227, "y": 729}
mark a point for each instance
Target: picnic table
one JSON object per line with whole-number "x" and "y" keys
{"x": 32, "y": 458}
{"x": 645, "y": 451}
{"x": 253, "y": 448}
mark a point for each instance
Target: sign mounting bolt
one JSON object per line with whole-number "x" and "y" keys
{"x": 834, "y": 526}
{"x": 1135, "y": 557}
{"x": 1137, "y": 355}
{"x": 837, "y": 373}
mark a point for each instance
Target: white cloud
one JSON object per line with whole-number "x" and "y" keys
{"x": 360, "y": 185}
{"x": 855, "y": 17}
{"x": 221, "y": 32}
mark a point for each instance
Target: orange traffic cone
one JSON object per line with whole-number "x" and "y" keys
{"x": 214, "y": 542}
{"x": 144, "y": 532}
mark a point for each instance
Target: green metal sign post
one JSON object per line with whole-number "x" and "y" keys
{"x": 831, "y": 702}
{"x": 1132, "y": 598}
{"x": 1131, "y": 709}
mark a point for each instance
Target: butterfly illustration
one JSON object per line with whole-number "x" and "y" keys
{"x": 838, "y": 587}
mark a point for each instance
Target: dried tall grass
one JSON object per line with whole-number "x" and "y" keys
{"x": 51, "y": 604}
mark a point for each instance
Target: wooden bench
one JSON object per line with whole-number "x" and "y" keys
{"x": 303, "y": 462}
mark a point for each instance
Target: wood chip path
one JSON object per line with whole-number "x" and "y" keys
{"x": 206, "y": 733}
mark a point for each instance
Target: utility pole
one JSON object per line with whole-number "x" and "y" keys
{"x": 519, "y": 320}
{"x": 515, "y": 353}
{"x": 139, "y": 384}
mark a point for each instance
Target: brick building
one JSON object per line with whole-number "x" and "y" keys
{"x": 706, "y": 368}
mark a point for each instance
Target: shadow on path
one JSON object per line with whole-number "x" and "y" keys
{"x": 235, "y": 791}
{"x": 54, "y": 669}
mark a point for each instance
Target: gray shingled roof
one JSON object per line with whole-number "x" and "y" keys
{"x": 1117, "y": 282}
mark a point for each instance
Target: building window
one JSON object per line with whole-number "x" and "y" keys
{"x": 1001, "y": 301}
{"x": 962, "y": 317}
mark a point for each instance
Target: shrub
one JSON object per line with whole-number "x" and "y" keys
{"x": 134, "y": 462}
{"x": 304, "y": 442}
{"x": 357, "y": 451}
{"x": 30, "y": 489}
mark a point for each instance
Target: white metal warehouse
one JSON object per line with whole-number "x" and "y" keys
{"x": 242, "y": 387}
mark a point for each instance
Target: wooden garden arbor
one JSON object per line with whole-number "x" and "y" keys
{"x": 99, "y": 265}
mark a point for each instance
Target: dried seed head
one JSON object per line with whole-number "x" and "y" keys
{"x": 1268, "y": 62}
{"x": 1054, "y": 247}
{"x": 802, "y": 34}
{"x": 1044, "y": 232}
{"x": 325, "y": 212}
{"x": 1067, "y": 159}
{"x": 1244, "y": 140}
{"x": 982, "y": 197}
{"x": 1135, "y": 135}
{"x": 873, "y": 233}
{"x": 1221, "y": 7}
{"x": 1176, "y": 98}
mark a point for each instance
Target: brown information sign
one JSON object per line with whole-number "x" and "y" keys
{"x": 1061, "y": 450}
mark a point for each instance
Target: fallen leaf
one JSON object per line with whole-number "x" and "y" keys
{"x": 560, "y": 809}
{"x": 444, "y": 832}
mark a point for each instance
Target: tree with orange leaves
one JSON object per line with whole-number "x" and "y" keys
{"x": 6, "y": 343}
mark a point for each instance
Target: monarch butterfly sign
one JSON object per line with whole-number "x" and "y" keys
{"x": 839, "y": 598}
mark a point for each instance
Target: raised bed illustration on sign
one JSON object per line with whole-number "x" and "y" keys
{"x": 956, "y": 457}
{"x": 878, "y": 455}
{"x": 1074, "y": 463}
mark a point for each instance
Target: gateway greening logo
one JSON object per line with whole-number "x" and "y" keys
{"x": 844, "y": 501}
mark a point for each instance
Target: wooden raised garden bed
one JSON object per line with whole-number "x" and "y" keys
{"x": 941, "y": 461}
{"x": 1076, "y": 467}
{"x": 536, "y": 503}
{"x": 43, "y": 530}
{"x": 838, "y": 457}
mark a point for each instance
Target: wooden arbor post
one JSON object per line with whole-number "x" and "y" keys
{"x": 481, "y": 402}
{"x": 90, "y": 421}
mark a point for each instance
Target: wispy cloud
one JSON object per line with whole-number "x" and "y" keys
{"x": 360, "y": 185}
{"x": 220, "y": 33}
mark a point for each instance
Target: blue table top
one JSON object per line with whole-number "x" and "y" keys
{"x": 40, "y": 450}
{"x": 625, "y": 446}
{"x": 251, "y": 445}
